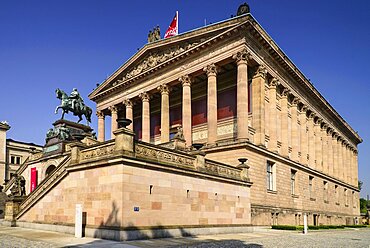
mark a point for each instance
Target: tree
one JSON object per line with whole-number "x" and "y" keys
{"x": 363, "y": 204}
{"x": 360, "y": 185}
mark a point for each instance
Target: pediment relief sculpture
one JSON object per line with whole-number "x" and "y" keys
{"x": 155, "y": 59}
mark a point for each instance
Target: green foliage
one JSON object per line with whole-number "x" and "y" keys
{"x": 363, "y": 204}
{"x": 300, "y": 228}
{"x": 360, "y": 185}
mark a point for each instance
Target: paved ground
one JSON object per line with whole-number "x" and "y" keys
{"x": 21, "y": 237}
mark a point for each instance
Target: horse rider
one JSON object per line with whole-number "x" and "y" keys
{"x": 76, "y": 99}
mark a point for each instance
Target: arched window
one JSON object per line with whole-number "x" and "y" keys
{"x": 49, "y": 170}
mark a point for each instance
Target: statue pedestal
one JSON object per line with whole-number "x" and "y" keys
{"x": 65, "y": 132}
{"x": 12, "y": 208}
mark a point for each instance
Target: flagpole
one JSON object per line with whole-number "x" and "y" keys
{"x": 177, "y": 21}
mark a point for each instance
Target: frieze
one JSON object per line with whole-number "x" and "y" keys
{"x": 222, "y": 171}
{"x": 156, "y": 58}
{"x": 163, "y": 156}
{"x": 97, "y": 152}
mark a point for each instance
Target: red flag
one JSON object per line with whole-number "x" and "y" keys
{"x": 173, "y": 29}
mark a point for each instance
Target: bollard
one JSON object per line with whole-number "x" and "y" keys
{"x": 305, "y": 224}
{"x": 78, "y": 221}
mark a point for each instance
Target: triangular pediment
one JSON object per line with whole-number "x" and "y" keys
{"x": 156, "y": 55}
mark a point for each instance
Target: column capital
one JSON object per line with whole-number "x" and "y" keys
{"x": 330, "y": 131}
{"x": 324, "y": 126}
{"x": 318, "y": 121}
{"x": 128, "y": 103}
{"x": 145, "y": 97}
{"x": 113, "y": 109}
{"x": 100, "y": 114}
{"x": 185, "y": 80}
{"x": 164, "y": 89}
{"x": 311, "y": 115}
{"x": 211, "y": 70}
{"x": 261, "y": 72}
{"x": 335, "y": 135}
{"x": 304, "y": 109}
{"x": 242, "y": 57}
{"x": 295, "y": 101}
{"x": 274, "y": 82}
{"x": 285, "y": 92}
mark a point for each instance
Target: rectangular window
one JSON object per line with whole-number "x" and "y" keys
{"x": 353, "y": 199}
{"x": 310, "y": 186}
{"x": 336, "y": 195}
{"x": 326, "y": 192}
{"x": 270, "y": 176}
{"x": 346, "y": 197}
{"x": 15, "y": 159}
{"x": 292, "y": 181}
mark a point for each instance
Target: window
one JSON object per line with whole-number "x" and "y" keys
{"x": 326, "y": 192}
{"x": 346, "y": 197}
{"x": 15, "y": 159}
{"x": 336, "y": 194}
{"x": 292, "y": 181}
{"x": 310, "y": 186}
{"x": 270, "y": 176}
{"x": 353, "y": 199}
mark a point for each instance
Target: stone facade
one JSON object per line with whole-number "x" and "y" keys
{"x": 13, "y": 153}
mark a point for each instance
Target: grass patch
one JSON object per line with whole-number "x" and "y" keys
{"x": 300, "y": 228}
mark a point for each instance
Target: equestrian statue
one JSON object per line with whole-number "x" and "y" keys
{"x": 73, "y": 103}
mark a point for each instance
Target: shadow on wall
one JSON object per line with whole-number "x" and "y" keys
{"x": 111, "y": 227}
{"x": 113, "y": 230}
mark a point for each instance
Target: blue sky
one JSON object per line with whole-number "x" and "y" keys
{"x": 49, "y": 44}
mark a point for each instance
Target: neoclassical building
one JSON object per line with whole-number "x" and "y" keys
{"x": 230, "y": 87}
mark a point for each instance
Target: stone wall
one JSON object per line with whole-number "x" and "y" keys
{"x": 122, "y": 196}
{"x": 280, "y": 206}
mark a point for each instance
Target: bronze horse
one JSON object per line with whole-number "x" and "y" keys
{"x": 66, "y": 106}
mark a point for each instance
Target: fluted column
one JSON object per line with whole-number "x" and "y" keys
{"x": 295, "y": 129}
{"x": 101, "y": 126}
{"x": 114, "y": 124}
{"x": 284, "y": 123}
{"x": 145, "y": 117}
{"x": 349, "y": 168}
{"x": 318, "y": 144}
{"x": 311, "y": 140}
{"x": 355, "y": 168}
{"x": 303, "y": 132}
{"x": 241, "y": 59}
{"x": 211, "y": 71}
{"x": 258, "y": 105}
{"x": 186, "y": 108}
{"x": 340, "y": 158}
{"x": 129, "y": 113}
{"x": 324, "y": 139}
{"x": 330, "y": 160}
{"x": 165, "y": 113}
{"x": 272, "y": 145}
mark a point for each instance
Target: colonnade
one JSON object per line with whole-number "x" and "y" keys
{"x": 305, "y": 137}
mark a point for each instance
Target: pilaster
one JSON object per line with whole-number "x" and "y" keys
{"x": 295, "y": 130}
{"x": 311, "y": 140}
{"x": 303, "y": 132}
{"x": 284, "y": 123}
{"x": 325, "y": 155}
{"x": 330, "y": 159}
{"x": 272, "y": 145}
{"x": 258, "y": 105}
{"x": 318, "y": 144}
